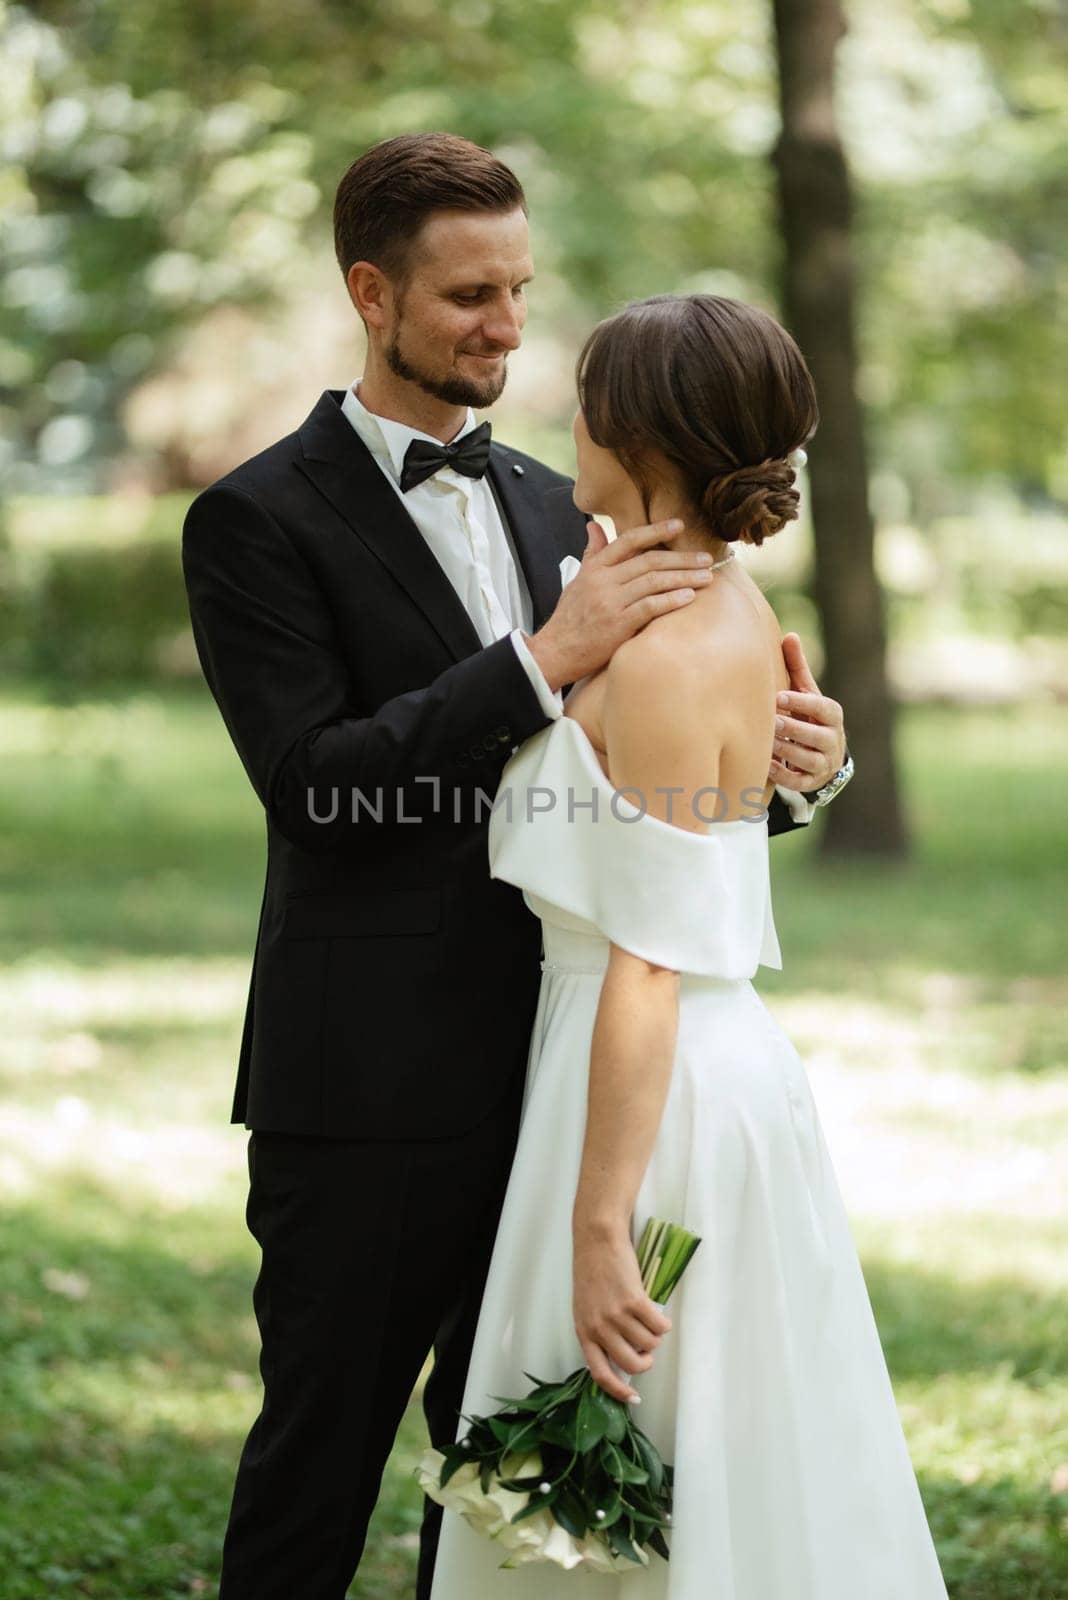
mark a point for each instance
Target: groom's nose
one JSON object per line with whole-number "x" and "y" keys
{"x": 504, "y": 326}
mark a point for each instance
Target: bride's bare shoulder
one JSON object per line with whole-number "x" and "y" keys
{"x": 724, "y": 637}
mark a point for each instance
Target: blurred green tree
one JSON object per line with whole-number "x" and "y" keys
{"x": 816, "y": 212}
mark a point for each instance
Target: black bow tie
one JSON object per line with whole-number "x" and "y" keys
{"x": 469, "y": 455}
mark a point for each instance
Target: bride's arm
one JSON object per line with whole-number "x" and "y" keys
{"x": 634, "y": 1036}
{"x": 630, "y": 1072}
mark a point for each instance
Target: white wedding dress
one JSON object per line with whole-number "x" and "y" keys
{"x": 771, "y": 1394}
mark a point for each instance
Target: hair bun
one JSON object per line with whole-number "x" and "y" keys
{"x": 751, "y": 503}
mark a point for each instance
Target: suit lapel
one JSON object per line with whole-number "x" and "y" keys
{"x": 339, "y": 464}
{"x": 524, "y": 508}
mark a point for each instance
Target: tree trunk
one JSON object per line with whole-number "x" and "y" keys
{"x": 815, "y": 208}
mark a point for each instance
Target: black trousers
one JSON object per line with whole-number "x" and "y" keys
{"x": 372, "y": 1254}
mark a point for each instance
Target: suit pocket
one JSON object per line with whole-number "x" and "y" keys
{"x": 373, "y": 916}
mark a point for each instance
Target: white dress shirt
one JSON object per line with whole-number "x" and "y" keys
{"x": 462, "y": 525}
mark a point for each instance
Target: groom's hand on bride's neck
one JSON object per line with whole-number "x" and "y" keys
{"x": 621, "y": 585}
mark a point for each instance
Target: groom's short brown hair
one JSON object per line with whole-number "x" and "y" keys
{"x": 389, "y": 192}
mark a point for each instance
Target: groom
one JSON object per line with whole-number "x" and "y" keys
{"x": 377, "y": 606}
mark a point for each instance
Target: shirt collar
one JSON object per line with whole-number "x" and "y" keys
{"x": 388, "y": 440}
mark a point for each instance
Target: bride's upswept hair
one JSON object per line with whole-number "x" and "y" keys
{"x": 717, "y": 388}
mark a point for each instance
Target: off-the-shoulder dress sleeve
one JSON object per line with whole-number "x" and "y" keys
{"x": 696, "y": 902}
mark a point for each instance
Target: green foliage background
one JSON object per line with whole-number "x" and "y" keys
{"x": 171, "y": 158}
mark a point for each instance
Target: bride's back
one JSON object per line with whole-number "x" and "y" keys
{"x": 728, "y": 639}
{"x": 709, "y": 672}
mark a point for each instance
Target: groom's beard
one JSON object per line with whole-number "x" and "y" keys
{"x": 455, "y": 390}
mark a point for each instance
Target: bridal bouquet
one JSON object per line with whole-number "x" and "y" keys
{"x": 564, "y": 1474}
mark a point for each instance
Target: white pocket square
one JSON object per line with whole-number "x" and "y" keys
{"x": 569, "y": 568}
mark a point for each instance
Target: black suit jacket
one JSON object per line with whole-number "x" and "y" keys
{"x": 394, "y": 982}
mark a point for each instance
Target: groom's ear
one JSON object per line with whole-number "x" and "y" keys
{"x": 370, "y": 292}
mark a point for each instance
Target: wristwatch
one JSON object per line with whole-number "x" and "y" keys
{"x": 835, "y": 785}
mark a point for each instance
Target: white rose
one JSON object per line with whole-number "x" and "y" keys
{"x": 428, "y": 1474}
{"x": 486, "y": 1511}
{"x": 462, "y": 1493}
{"x": 600, "y": 1557}
{"x": 496, "y": 1508}
{"x": 562, "y": 1548}
{"x": 539, "y": 1538}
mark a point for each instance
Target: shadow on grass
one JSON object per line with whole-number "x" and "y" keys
{"x": 997, "y": 1541}
{"x": 128, "y": 1384}
{"x": 129, "y": 1282}
{"x": 109, "y": 1498}
{"x": 929, "y": 1325}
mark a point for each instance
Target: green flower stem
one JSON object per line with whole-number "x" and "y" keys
{"x": 664, "y": 1252}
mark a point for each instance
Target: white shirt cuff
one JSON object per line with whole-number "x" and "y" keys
{"x": 799, "y": 806}
{"x": 550, "y": 700}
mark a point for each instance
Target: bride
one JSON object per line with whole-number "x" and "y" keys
{"x": 658, "y": 1084}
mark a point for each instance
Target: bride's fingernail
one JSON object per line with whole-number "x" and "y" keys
{"x": 635, "y": 1400}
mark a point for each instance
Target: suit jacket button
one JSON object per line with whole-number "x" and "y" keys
{"x": 501, "y": 734}
{"x": 462, "y": 758}
{"x": 478, "y": 751}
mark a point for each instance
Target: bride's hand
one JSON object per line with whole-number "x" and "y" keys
{"x": 614, "y": 1317}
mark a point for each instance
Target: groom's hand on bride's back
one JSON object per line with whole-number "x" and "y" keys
{"x": 621, "y": 585}
{"x": 810, "y": 741}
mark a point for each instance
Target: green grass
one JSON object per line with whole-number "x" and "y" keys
{"x": 928, "y": 1001}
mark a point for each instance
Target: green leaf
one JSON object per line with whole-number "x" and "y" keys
{"x": 523, "y": 1435}
{"x": 570, "y": 1512}
{"x": 481, "y": 1435}
{"x": 657, "y": 1542}
{"x": 614, "y": 1412}
{"x": 650, "y": 1459}
{"x": 528, "y": 1485}
{"x": 560, "y": 1431}
{"x": 559, "y": 1391}
{"x": 530, "y": 1404}
{"x": 501, "y": 1430}
{"x": 593, "y": 1421}
{"x": 622, "y": 1469}
{"x": 536, "y": 1503}
{"x": 607, "y": 1500}
{"x": 620, "y": 1543}
{"x": 455, "y": 1457}
{"x": 643, "y": 1522}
